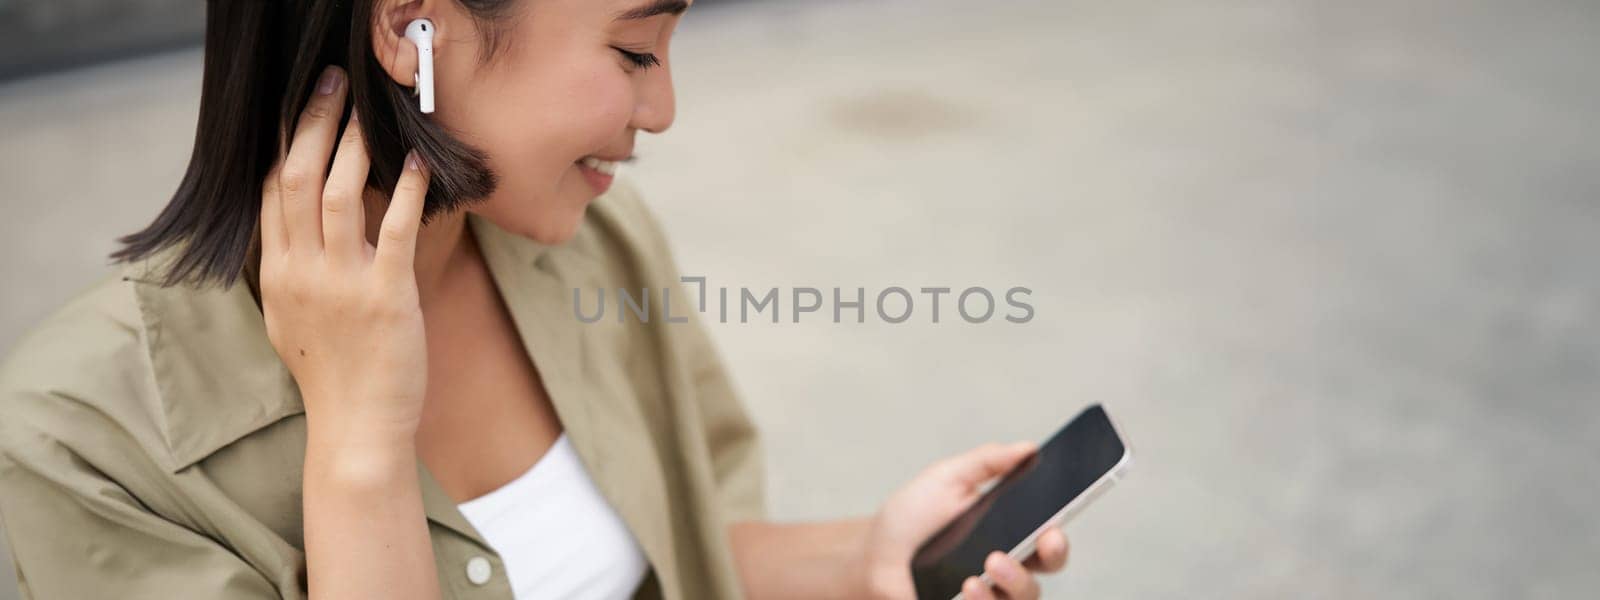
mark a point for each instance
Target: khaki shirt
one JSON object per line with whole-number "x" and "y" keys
{"x": 151, "y": 442}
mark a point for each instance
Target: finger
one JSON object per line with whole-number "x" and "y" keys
{"x": 988, "y": 461}
{"x": 1052, "y": 552}
{"x": 1014, "y": 581}
{"x": 397, "y": 236}
{"x": 343, "y": 218}
{"x": 273, "y": 237}
{"x": 975, "y": 589}
{"x": 302, "y": 176}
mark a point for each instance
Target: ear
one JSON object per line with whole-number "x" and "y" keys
{"x": 395, "y": 53}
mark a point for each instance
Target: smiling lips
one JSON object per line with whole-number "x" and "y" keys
{"x": 608, "y": 167}
{"x": 599, "y": 173}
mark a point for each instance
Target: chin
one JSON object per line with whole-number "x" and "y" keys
{"x": 551, "y": 219}
{"x": 551, "y": 228}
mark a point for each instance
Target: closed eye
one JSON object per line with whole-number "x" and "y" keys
{"x": 641, "y": 60}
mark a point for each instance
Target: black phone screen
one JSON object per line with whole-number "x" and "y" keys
{"x": 1079, "y": 454}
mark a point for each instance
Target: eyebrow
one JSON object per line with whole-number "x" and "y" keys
{"x": 656, "y": 7}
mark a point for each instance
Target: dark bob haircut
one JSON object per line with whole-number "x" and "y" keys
{"x": 261, "y": 60}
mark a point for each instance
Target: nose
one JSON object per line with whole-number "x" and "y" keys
{"x": 655, "y": 108}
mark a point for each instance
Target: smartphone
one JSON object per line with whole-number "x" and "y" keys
{"x": 1077, "y": 464}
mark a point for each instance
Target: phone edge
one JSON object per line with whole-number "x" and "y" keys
{"x": 1078, "y": 504}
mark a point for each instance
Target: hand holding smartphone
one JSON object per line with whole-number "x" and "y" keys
{"x": 1077, "y": 464}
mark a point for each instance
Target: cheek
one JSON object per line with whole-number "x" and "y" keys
{"x": 537, "y": 124}
{"x": 602, "y": 107}
{"x": 539, "y": 109}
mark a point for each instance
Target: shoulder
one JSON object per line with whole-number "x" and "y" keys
{"x": 79, "y": 377}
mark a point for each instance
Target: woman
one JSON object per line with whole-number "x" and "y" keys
{"x": 399, "y": 402}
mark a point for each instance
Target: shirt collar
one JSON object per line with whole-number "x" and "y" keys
{"x": 218, "y": 376}
{"x": 219, "y": 379}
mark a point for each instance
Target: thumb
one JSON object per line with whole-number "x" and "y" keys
{"x": 986, "y": 462}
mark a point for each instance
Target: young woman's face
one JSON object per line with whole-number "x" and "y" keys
{"x": 573, "y": 80}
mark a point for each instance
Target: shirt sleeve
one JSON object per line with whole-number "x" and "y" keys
{"x": 76, "y": 534}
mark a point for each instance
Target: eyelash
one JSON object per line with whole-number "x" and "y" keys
{"x": 642, "y": 61}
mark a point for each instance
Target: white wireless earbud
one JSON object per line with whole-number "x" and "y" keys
{"x": 420, "y": 32}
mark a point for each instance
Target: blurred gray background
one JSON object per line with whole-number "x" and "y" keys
{"x": 1331, "y": 264}
{"x": 49, "y": 35}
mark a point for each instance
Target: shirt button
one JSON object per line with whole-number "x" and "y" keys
{"x": 478, "y": 570}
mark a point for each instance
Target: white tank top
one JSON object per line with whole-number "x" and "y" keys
{"x": 556, "y": 534}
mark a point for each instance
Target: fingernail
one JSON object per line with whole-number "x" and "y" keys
{"x": 330, "y": 80}
{"x": 412, "y": 164}
{"x": 999, "y": 566}
{"x": 354, "y": 116}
